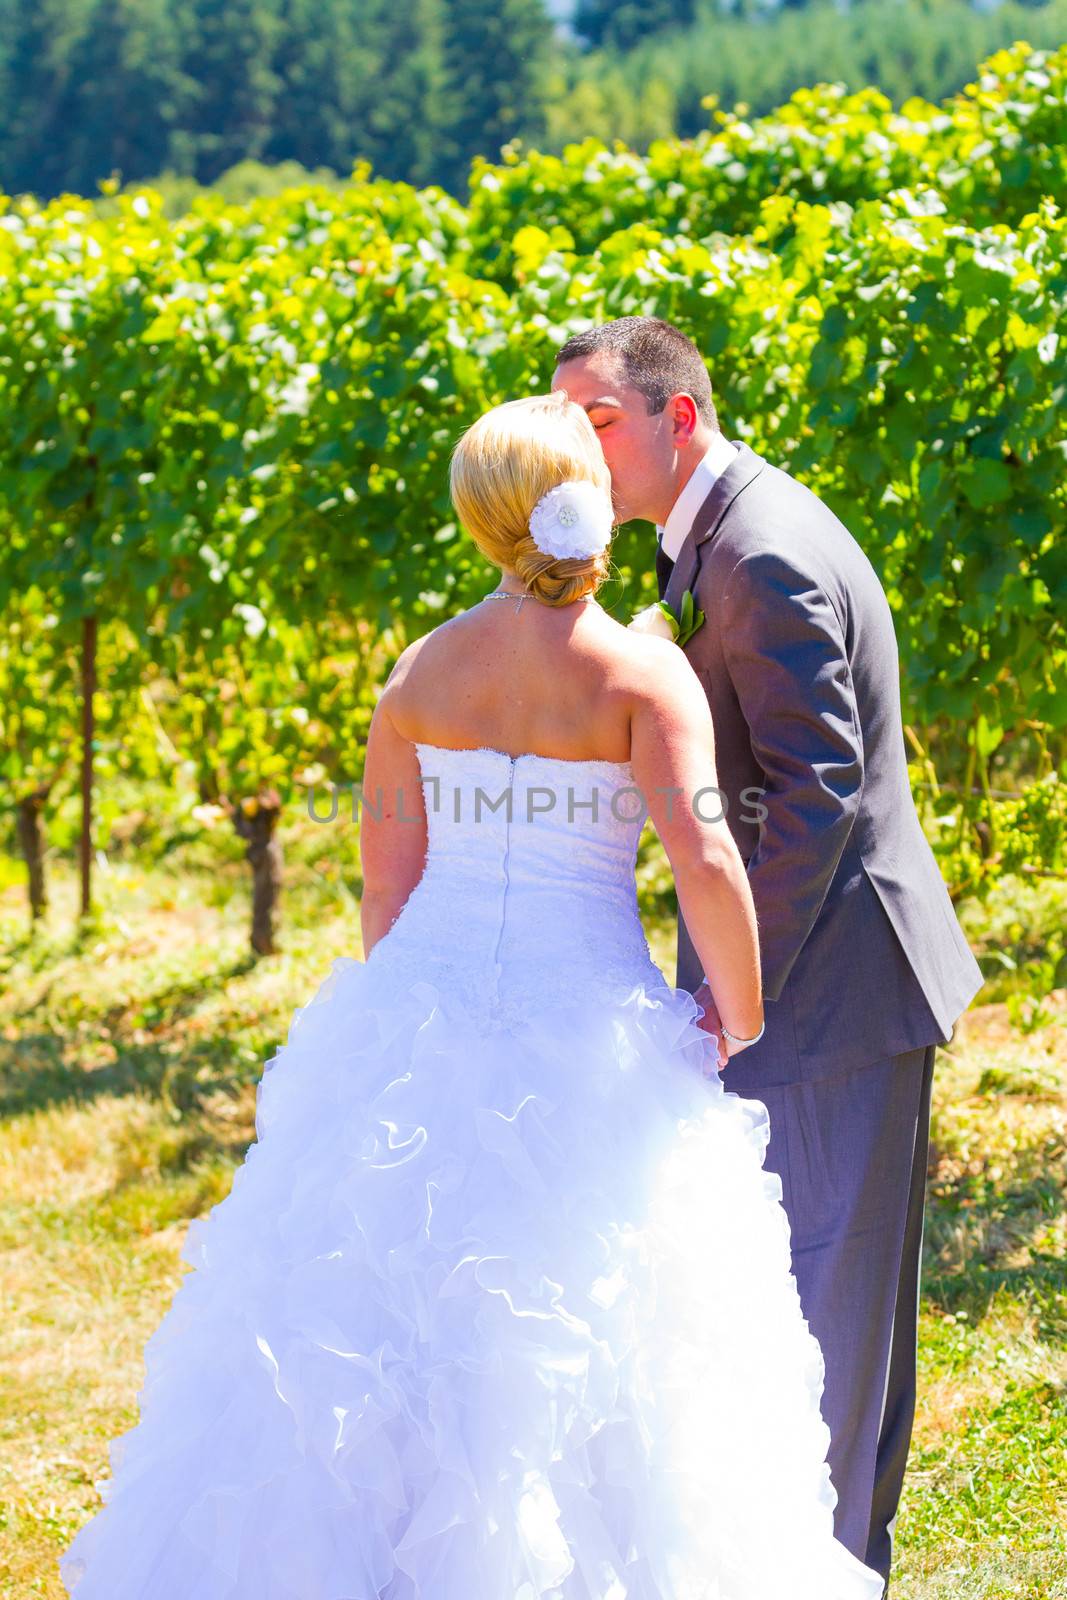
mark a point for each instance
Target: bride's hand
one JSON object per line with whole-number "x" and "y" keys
{"x": 711, "y": 1024}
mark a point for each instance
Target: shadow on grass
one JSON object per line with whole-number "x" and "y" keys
{"x": 36, "y": 1072}
{"x": 985, "y": 1241}
{"x": 1041, "y": 1285}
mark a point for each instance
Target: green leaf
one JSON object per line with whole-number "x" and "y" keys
{"x": 987, "y": 736}
{"x": 989, "y": 483}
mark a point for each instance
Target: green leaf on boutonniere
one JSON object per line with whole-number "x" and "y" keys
{"x": 689, "y": 621}
{"x": 670, "y": 616}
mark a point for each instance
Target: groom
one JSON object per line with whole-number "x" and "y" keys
{"x": 865, "y": 968}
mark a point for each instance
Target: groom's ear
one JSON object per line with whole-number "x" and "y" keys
{"x": 682, "y": 411}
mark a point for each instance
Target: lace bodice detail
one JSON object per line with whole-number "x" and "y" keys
{"x": 528, "y": 896}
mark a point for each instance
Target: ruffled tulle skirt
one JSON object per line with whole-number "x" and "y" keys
{"x": 490, "y": 1313}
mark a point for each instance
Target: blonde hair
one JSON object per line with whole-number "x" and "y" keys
{"x": 502, "y": 466}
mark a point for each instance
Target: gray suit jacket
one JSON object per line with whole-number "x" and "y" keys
{"x": 861, "y": 951}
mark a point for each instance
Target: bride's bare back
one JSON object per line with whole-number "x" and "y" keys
{"x": 520, "y": 676}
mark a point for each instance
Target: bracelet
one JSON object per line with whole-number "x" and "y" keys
{"x": 756, "y": 1037}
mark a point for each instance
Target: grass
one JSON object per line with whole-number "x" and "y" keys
{"x": 129, "y": 1057}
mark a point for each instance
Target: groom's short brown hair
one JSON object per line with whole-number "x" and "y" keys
{"x": 657, "y": 358}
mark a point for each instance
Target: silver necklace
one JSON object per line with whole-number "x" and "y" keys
{"x": 507, "y": 594}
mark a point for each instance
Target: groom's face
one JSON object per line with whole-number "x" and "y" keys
{"x": 639, "y": 446}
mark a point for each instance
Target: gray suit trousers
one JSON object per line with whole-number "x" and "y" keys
{"x": 851, "y": 1152}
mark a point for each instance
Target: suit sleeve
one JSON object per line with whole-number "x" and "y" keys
{"x": 785, "y": 652}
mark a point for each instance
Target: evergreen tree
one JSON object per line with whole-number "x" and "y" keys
{"x": 7, "y": 85}
{"x": 326, "y": 67}
{"x": 38, "y": 38}
{"x": 626, "y": 24}
{"x": 229, "y": 55}
{"x": 402, "y": 108}
{"x": 498, "y": 56}
{"x": 128, "y": 62}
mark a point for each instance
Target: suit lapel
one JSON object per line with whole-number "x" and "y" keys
{"x": 745, "y": 466}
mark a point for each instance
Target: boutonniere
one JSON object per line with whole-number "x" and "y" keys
{"x": 659, "y": 619}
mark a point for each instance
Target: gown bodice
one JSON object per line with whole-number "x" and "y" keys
{"x": 528, "y": 896}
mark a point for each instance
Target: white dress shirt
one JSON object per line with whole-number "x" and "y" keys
{"x": 672, "y": 534}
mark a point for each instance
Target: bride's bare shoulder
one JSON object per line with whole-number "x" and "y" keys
{"x": 422, "y": 657}
{"x": 658, "y": 681}
{"x": 647, "y": 653}
{"x": 607, "y": 656}
{"x": 408, "y": 662}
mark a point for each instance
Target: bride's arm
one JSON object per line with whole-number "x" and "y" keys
{"x": 392, "y": 830}
{"x": 672, "y": 755}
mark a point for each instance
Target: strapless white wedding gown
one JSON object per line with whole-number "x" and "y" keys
{"x": 500, "y": 1304}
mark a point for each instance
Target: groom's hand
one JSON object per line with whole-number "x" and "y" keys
{"x": 711, "y": 1024}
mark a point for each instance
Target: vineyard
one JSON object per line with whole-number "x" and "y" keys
{"x": 225, "y": 436}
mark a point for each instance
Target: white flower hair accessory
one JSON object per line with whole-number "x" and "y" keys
{"x": 573, "y": 521}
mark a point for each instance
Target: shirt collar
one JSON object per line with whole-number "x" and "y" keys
{"x": 672, "y": 534}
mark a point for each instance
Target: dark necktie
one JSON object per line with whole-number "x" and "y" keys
{"x": 664, "y": 568}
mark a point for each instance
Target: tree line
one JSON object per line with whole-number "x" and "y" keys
{"x": 91, "y": 89}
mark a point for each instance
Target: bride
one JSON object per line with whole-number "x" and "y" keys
{"x": 500, "y": 1304}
